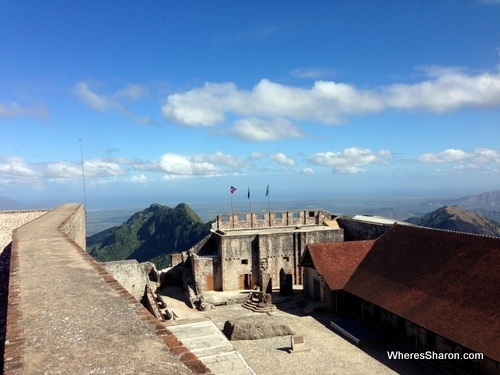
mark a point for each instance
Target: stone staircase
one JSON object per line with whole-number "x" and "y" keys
{"x": 259, "y": 303}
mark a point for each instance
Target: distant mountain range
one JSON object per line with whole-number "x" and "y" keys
{"x": 150, "y": 235}
{"x": 7, "y": 204}
{"x": 485, "y": 204}
{"x": 457, "y": 219}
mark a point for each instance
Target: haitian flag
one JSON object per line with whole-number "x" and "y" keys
{"x": 232, "y": 190}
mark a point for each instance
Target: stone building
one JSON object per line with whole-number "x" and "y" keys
{"x": 439, "y": 288}
{"x": 254, "y": 249}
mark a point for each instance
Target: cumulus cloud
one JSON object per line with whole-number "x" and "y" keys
{"x": 141, "y": 179}
{"x": 307, "y": 170}
{"x": 350, "y": 160}
{"x": 184, "y": 165}
{"x": 62, "y": 170}
{"x": 446, "y": 156}
{"x": 282, "y": 159}
{"x": 13, "y": 109}
{"x": 451, "y": 91}
{"x": 328, "y": 102}
{"x": 16, "y": 170}
{"x": 254, "y": 129}
{"x": 102, "y": 168}
{"x": 462, "y": 159}
{"x": 220, "y": 159}
{"x": 203, "y": 106}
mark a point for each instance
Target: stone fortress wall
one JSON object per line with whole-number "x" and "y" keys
{"x": 270, "y": 219}
{"x": 66, "y": 313}
{"x": 10, "y": 220}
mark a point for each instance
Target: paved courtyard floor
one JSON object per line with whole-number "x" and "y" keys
{"x": 329, "y": 354}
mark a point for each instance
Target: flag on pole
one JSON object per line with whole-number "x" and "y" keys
{"x": 232, "y": 190}
{"x": 267, "y": 190}
{"x": 248, "y": 196}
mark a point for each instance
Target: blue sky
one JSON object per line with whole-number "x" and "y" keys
{"x": 178, "y": 100}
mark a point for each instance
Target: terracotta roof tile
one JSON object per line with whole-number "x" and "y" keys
{"x": 447, "y": 282}
{"x": 335, "y": 261}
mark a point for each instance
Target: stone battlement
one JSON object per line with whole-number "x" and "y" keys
{"x": 256, "y": 220}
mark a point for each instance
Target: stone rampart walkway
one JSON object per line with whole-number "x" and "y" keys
{"x": 67, "y": 315}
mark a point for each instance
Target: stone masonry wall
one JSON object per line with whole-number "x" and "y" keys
{"x": 130, "y": 274}
{"x": 268, "y": 253}
{"x": 74, "y": 227}
{"x": 236, "y": 258}
{"x": 10, "y": 220}
{"x": 355, "y": 230}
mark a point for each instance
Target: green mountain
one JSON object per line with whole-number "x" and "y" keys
{"x": 457, "y": 219}
{"x": 150, "y": 235}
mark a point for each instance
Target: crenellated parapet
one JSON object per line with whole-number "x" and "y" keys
{"x": 270, "y": 219}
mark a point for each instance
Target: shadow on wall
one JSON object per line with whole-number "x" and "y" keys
{"x": 4, "y": 298}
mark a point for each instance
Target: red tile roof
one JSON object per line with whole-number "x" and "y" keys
{"x": 335, "y": 261}
{"x": 446, "y": 282}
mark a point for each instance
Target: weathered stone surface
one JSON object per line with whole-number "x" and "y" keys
{"x": 256, "y": 327}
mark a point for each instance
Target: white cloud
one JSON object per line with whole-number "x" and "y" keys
{"x": 474, "y": 159}
{"x": 132, "y": 91}
{"x": 282, "y": 159}
{"x": 63, "y": 169}
{"x": 484, "y": 155}
{"x": 307, "y": 170}
{"x": 141, "y": 179}
{"x": 192, "y": 165}
{"x": 254, "y": 129}
{"x": 220, "y": 159}
{"x": 98, "y": 102}
{"x": 203, "y": 106}
{"x": 329, "y": 102}
{"x": 448, "y": 92}
{"x": 93, "y": 168}
{"x": 101, "y": 168}
{"x": 447, "y": 156}
{"x": 350, "y": 160}
{"x": 184, "y": 165}
{"x": 13, "y": 109}
{"x": 102, "y": 103}
{"x": 14, "y": 170}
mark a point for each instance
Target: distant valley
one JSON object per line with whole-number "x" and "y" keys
{"x": 158, "y": 231}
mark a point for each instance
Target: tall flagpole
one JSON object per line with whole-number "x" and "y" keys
{"x": 232, "y": 190}
{"x": 250, "y": 199}
{"x": 268, "y": 203}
